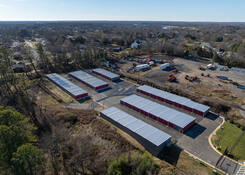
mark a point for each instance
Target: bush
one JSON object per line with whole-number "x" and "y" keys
{"x": 134, "y": 163}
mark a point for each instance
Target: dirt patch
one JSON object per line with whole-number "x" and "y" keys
{"x": 221, "y": 91}
{"x": 158, "y": 75}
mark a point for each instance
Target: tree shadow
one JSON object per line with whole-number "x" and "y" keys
{"x": 195, "y": 131}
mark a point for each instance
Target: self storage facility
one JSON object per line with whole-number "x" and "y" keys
{"x": 106, "y": 74}
{"x": 172, "y": 99}
{"x": 153, "y": 139}
{"x": 168, "y": 116}
{"x": 75, "y": 91}
{"x": 89, "y": 80}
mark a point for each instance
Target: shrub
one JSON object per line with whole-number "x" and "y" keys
{"x": 134, "y": 163}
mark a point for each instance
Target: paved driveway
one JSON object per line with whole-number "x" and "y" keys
{"x": 199, "y": 145}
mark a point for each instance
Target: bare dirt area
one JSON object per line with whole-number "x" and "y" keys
{"x": 206, "y": 83}
{"x": 209, "y": 81}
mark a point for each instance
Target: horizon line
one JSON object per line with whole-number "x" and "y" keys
{"x": 110, "y": 20}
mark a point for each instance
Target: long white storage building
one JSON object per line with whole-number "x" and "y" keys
{"x": 106, "y": 74}
{"x": 74, "y": 90}
{"x": 153, "y": 139}
{"x": 168, "y": 116}
{"x": 172, "y": 99}
{"x": 89, "y": 80}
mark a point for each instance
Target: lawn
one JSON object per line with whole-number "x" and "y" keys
{"x": 226, "y": 138}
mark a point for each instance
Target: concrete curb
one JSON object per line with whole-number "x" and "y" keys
{"x": 195, "y": 157}
{"x": 211, "y": 144}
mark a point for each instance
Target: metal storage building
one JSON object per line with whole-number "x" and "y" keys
{"x": 175, "y": 119}
{"x": 178, "y": 101}
{"x": 106, "y": 74}
{"x": 89, "y": 80}
{"x": 74, "y": 90}
{"x": 153, "y": 139}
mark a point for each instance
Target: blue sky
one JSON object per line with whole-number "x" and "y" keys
{"x": 152, "y": 10}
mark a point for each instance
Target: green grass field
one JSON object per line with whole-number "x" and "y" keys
{"x": 226, "y": 138}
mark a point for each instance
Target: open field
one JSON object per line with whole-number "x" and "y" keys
{"x": 226, "y": 137}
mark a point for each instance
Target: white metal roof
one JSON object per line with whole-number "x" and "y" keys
{"x": 66, "y": 84}
{"x": 175, "y": 98}
{"x": 89, "y": 79}
{"x": 168, "y": 114}
{"x": 150, "y": 133}
{"x": 106, "y": 73}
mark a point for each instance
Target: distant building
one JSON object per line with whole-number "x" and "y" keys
{"x": 117, "y": 49}
{"x": 136, "y": 44}
{"x": 19, "y": 68}
{"x": 18, "y": 57}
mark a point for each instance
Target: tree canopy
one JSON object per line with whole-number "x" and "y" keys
{"x": 17, "y": 154}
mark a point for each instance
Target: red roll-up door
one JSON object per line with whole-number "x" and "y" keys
{"x": 171, "y": 124}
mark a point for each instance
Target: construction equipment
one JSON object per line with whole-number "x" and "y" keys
{"x": 201, "y": 68}
{"x": 171, "y": 78}
{"x": 191, "y": 78}
{"x": 175, "y": 71}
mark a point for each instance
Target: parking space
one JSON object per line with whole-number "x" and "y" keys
{"x": 241, "y": 170}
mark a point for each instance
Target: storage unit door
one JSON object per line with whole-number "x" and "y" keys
{"x": 165, "y": 122}
{"x": 171, "y": 124}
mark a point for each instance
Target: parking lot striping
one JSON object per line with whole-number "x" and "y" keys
{"x": 241, "y": 170}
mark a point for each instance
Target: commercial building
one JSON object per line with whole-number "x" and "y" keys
{"x": 89, "y": 80}
{"x": 106, "y": 74}
{"x": 72, "y": 89}
{"x": 153, "y": 139}
{"x": 175, "y": 100}
{"x": 163, "y": 114}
